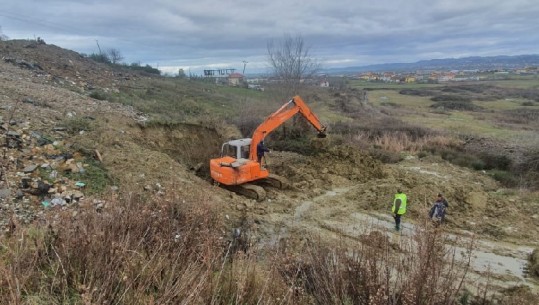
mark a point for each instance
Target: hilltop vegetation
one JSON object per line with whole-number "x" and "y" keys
{"x": 147, "y": 226}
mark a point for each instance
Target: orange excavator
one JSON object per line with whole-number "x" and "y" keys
{"x": 238, "y": 168}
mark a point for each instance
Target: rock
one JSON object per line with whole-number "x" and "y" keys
{"x": 30, "y": 168}
{"x": 42, "y": 188}
{"x": 13, "y": 134}
{"x": 5, "y": 193}
{"x": 19, "y": 194}
{"x": 28, "y": 100}
{"x": 77, "y": 195}
{"x": 35, "y": 134}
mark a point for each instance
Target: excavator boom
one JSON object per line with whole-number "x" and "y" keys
{"x": 276, "y": 119}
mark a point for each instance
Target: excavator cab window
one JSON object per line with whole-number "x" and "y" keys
{"x": 228, "y": 150}
{"x": 245, "y": 151}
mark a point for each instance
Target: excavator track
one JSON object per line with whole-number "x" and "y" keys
{"x": 249, "y": 190}
{"x": 276, "y": 181}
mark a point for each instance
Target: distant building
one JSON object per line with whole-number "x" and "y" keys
{"x": 410, "y": 79}
{"x": 235, "y": 79}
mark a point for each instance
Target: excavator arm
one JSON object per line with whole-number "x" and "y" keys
{"x": 288, "y": 110}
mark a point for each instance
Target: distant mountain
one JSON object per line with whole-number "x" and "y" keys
{"x": 466, "y": 63}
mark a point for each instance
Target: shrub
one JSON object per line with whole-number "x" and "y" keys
{"x": 450, "y": 98}
{"x": 533, "y": 265}
{"x": 77, "y": 124}
{"x": 102, "y": 57}
{"x": 505, "y": 177}
{"x": 377, "y": 271}
{"x": 422, "y": 154}
{"x": 386, "y": 156}
{"x": 301, "y": 145}
{"x": 416, "y": 92}
{"x": 495, "y": 161}
{"x": 523, "y": 115}
{"x": 99, "y": 95}
{"x": 147, "y": 68}
{"x": 462, "y": 105}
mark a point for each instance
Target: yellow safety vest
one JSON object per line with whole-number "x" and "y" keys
{"x": 402, "y": 208}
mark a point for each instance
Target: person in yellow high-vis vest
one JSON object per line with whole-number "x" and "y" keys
{"x": 399, "y": 208}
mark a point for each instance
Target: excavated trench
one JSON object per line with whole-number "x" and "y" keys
{"x": 189, "y": 144}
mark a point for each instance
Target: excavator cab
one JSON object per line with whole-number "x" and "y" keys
{"x": 238, "y": 149}
{"x": 234, "y": 167}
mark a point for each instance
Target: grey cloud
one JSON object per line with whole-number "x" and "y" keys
{"x": 207, "y": 32}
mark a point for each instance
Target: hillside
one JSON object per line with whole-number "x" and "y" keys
{"x": 105, "y": 173}
{"x": 445, "y": 64}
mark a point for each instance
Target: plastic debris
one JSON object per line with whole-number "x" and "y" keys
{"x": 80, "y": 184}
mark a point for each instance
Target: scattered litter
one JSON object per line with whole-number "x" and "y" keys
{"x": 80, "y": 184}
{"x": 46, "y": 203}
{"x": 58, "y": 201}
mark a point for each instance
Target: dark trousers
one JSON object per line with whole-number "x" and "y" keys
{"x": 397, "y": 220}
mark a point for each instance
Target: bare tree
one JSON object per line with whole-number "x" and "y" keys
{"x": 291, "y": 61}
{"x": 181, "y": 73}
{"x": 114, "y": 55}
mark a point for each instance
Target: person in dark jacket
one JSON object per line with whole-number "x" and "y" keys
{"x": 440, "y": 195}
{"x": 438, "y": 209}
{"x": 260, "y": 150}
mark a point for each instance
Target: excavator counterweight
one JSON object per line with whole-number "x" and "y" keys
{"x": 238, "y": 164}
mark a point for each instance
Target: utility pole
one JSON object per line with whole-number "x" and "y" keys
{"x": 244, "y": 64}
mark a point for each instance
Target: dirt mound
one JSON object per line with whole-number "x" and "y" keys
{"x": 61, "y": 67}
{"x": 337, "y": 165}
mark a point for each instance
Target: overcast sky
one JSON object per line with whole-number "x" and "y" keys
{"x": 200, "y": 34}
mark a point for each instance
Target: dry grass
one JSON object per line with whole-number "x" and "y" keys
{"x": 400, "y": 141}
{"x": 166, "y": 250}
{"x": 174, "y": 250}
{"x": 417, "y": 271}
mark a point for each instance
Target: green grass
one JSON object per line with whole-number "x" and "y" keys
{"x": 361, "y": 84}
{"x": 520, "y": 82}
{"x": 95, "y": 176}
{"x": 379, "y": 97}
{"x": 505, "y": 104}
